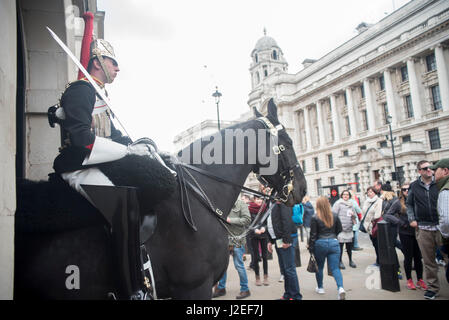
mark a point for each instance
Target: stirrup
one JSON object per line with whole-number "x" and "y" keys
{"x": 139, "y": 295}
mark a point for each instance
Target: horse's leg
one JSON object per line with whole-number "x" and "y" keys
{"x": 202, "y": 292}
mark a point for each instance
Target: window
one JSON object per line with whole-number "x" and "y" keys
{"x": 332, "y": 181}
{"x": 385, "y": 112}
{"x": 383, "y": 144}
{"x": 408, "y": 106}
{"x": 348, "y": 126}
{"x": 265, "y": 71}
{"x": 431, "y": 62}
{"x": 404, "y": 73}
{"x": 345, "y": 153}
{"x": 346, "y": 98}
{"x": 319, "y": 191}
{"x": 303, "y": 165}
{"x": 257, "y": 58}
{"x": 316, "y": 164}
{"x": 275, "y": 55}
{"x": 406, "y": 138}
{"x": 365, "y": 120}
{"x": 434, "y": 139}
{"x": 436, "y": 99}
{"x": 362, "y": 148}
{"x": 362, "y": 91}
{"x": 330, "y": 161}
{"x": 382, "y": 83}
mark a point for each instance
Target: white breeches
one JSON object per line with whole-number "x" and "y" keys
{"x": 91, "y": 176}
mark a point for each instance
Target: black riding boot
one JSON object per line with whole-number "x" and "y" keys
{"x": 120, "y": 207}
{"x": 126, "y": 242}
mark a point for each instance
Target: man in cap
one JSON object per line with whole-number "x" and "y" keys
{"x": 89, "y": 138}
{"x": 441, "y": 172}
{"x": 441, "y": 169}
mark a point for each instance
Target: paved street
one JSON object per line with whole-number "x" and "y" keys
{"x": 361, "y": 283}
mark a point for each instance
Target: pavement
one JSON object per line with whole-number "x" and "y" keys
{"x": 361, "y": 283}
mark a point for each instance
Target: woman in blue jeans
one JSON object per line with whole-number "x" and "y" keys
{"x": 323, "y": 243}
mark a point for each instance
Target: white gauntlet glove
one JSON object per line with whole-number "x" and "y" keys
{"x": 139, "y": 149}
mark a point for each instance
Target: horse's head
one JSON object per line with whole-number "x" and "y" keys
{"x": 286, "y": 177}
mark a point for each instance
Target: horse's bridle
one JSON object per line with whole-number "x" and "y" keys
{"x": 288, "y": 174}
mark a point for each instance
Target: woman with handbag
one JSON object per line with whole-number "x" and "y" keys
{"x": 397, "y": 216}
{"x": 323, "y": 243}
{"x": 372, "y": 211}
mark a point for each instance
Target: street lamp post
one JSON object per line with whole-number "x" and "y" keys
{"x": 395, "y": 173}
{"x": 217, "y": 96}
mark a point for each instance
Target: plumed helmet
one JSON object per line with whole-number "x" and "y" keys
{"x": 101, "y": 48}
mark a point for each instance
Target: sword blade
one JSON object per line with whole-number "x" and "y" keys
{"x": 84, "y": 71}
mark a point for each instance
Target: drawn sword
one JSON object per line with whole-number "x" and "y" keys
{"x": 88, "y": 76}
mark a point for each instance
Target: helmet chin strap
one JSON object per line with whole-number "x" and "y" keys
{"x": 105, "y": 70}
{"x": 98, "y": 55}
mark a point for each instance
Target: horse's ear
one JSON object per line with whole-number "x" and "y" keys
{"x": 272, "y": 111}
{"x": 257, "y": 113}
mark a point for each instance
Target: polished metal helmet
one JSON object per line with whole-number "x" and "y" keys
{"x": 100, "y": 48}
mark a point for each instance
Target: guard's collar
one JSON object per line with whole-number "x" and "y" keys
{"x": 98, "y": 81}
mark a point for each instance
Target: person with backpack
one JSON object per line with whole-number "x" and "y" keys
{"x": 284, "y": 235}
{"x": 344, "y": 209}
{"x": 307, "y": 215}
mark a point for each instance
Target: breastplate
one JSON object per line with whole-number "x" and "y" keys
{"x": 101, "y": 118}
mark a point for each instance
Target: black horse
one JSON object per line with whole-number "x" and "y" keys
{"x": 189, "y": 248}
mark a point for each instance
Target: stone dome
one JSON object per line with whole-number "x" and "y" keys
{"x": 265, "y": 43}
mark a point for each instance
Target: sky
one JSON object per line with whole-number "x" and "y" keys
{"x": 172, "y": 54}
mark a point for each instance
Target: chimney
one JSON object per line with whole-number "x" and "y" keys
{"x": 363, "y": 26}
{"x": 307, "y": 62}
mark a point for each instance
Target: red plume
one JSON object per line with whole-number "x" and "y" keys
{"x": 87, "y": 39}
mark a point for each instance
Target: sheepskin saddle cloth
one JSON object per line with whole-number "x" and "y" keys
{"x": 53, "y": 206}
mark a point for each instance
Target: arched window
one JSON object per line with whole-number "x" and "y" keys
{"x": 256, "y": 57}
{"x": 265, "y": 71}
{"x": 257, "y": 78}
{"x": 275, "y": 55}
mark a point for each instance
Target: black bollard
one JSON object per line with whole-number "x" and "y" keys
{"x": 387, "y": 258}
{"x": 297, "y": 256}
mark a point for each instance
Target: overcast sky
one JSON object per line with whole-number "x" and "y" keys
{"x": 173, "y": 53}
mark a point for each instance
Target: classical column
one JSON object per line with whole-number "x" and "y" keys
{"x": 391, "y": 102}
{"x": 414, "y": 89}
{"x": 319, "y": 115}
{"x": 443, "y": 77}
{"x": 352, "y": 123}
{"x": 370, "y": 110}
{"x": 335, "y": 117}
{"x": 307, "y": 127}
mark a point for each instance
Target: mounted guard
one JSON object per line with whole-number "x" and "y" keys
{"x": 89, "y": 138}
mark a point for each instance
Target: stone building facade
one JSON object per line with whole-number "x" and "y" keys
{"x": 338, "y": 109}
{"x": 33, "y": 73}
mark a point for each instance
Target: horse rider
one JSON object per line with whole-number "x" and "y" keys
{"x": 89, "y": 138}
